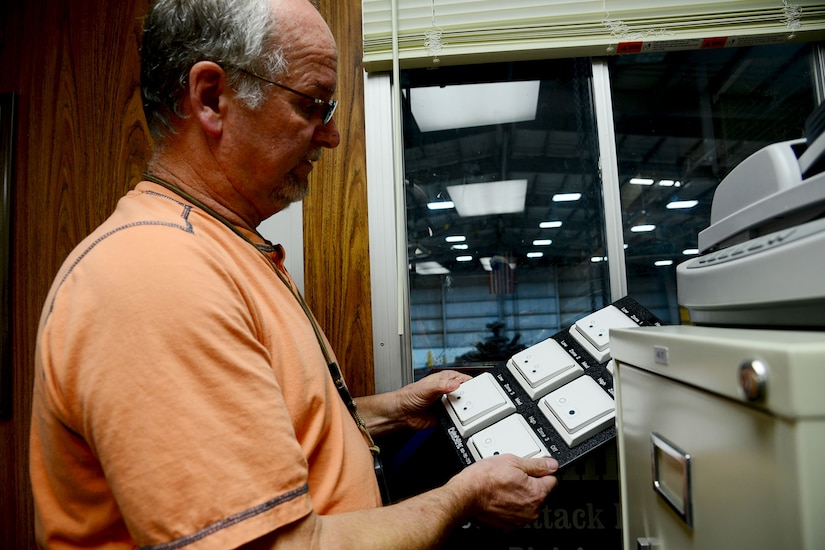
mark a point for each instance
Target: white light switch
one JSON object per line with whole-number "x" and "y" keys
{"x": 592, "y": 332}
{"x": 477, "y": 403}
{"x": 512, "y": 435}
{"x": 579, "y": 410}
{"x": 543, "y": 367}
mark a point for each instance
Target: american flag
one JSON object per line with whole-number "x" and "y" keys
{"x": 502, "y": 275}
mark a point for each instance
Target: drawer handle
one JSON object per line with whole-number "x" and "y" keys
{"x": 671, "y": 476}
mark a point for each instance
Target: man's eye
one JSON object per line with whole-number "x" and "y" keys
{"x": 312, "y": 108}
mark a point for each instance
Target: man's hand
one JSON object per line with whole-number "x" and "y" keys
{"x": 506, "y": 490}
{"x": 415, "y": 401}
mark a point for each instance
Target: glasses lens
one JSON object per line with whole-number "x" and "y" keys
{"x": 333, "y": 103}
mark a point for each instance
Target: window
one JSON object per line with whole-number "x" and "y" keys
{"x": 484, "y": 282}
{"x": 504, "y": 208}
{"x": 683, "y": 121}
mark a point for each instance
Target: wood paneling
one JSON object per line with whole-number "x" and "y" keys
{"x": 82, "y": 142}
{"x": 336, "y": 234}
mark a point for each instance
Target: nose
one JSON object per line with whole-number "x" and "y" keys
{"x": 327, "y": 135}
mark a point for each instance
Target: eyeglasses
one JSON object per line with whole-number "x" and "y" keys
{"x": 327, "y": 107}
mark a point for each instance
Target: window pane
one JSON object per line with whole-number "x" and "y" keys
{"x": 504, "y": 208}
{"x": 683, "y": 121}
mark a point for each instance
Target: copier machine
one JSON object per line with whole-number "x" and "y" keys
{"x": 721, "y": 421}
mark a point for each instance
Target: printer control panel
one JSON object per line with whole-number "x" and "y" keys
{"x": 764, "y": 243}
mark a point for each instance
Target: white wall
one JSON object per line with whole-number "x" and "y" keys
{"x": 287, "y": 229}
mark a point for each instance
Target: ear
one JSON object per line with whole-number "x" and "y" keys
{"x": 207, "y": 96}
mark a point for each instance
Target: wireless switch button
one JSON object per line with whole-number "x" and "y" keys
{"x": 475, "y": 400}
{"x": 579, "y": 410}
{"x": 509, "y": 436}
{"x": 592, "y": 332}
{"x": 543, "y": 367}
{"x": 477, "y": 403}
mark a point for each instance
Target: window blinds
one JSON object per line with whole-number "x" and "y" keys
{"x": 457, "y": 31}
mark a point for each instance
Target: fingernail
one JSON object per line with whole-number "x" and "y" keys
{"x": 552, "y": 464}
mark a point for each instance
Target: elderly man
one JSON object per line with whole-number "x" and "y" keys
{"x": 185, "y": 396}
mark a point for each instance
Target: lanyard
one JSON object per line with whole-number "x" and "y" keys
{"x": 334, "y": 370}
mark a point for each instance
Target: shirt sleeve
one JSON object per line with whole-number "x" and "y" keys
{"x": 152, "y": 357}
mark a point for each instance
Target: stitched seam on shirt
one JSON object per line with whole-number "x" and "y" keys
{"x": 187, "y": 227}
{"x": 231, "y": 520}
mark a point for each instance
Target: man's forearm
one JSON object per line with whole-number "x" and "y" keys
{"x": 410, "y": 406}
{"x": 421, "y": 522}
{"x": 503, "y": 491}
{"x": 381, "y": 413}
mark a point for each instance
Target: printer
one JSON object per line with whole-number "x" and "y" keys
{"x": 721, "y": 421}
{"x": 762, "y": 259}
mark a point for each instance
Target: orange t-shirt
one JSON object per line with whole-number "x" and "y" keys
{"x": 181, "y": 396}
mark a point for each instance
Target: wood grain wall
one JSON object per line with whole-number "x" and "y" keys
{"x": 82, "y": 142}
{"x": 336, "y": 234}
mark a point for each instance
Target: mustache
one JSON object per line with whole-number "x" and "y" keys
{"x": 314, "y": 155}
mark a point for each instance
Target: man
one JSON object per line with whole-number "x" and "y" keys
{"x": 183, "y": 394}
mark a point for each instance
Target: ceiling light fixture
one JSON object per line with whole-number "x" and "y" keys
{"x": 430, "y": 268}
{"x": 550, "y": 225}
{"x": 566, "y": 197}
{"x": 470, "y": 105}
{"x": 542, "y": 242}
{"x": 642, "y": 228}
{"x": 440, "y": 205}
{"x": 641, "y": 181}
{"x": 455, "y": 239}
{"x": 486, "y": 262}
{"x": 486, "y": 199}
{"x": 674, "y": 205}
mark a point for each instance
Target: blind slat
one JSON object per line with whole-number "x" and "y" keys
{"x": 487, "y": 29}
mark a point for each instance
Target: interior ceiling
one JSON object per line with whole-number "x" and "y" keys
{"x": 685, "y": 116}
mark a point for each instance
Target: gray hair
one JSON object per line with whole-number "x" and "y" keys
{"x": 236, "y": 34}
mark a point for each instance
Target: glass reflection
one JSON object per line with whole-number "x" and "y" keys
{"x": 683, "y": 121}
{"x": 504, "y": 208}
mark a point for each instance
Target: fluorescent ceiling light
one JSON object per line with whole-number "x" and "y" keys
{"x": 542, "y": 242}
{"x": 486, "y": 262}
{"x": 455, "y": 239}
{"x": 597, "y": 259}
{"x": 663, "y": 263}
{"x": 550, "y": 225}
{"x": 535, "y": 254}
{"x": 440, "y": 205}
{"x": 670, "y": 183}
{"x": 464, "y": 259}
{"x": 430, "y": 268}
{"x": 642, "y": 228}
{"x": 469, "y": 105}
{"x": 641, "y": 181}
{"x": 690, "y": 251}
{"x": 566, "y": 197}
{"x": 484, "y": 199}
{"x": 460, "y": 247}
{"x": 681, "y": 204}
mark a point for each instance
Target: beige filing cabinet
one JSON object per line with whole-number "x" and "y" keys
{"x": 721, "y": 437}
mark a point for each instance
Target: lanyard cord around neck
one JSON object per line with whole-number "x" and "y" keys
{"x": 334, "y": 370}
